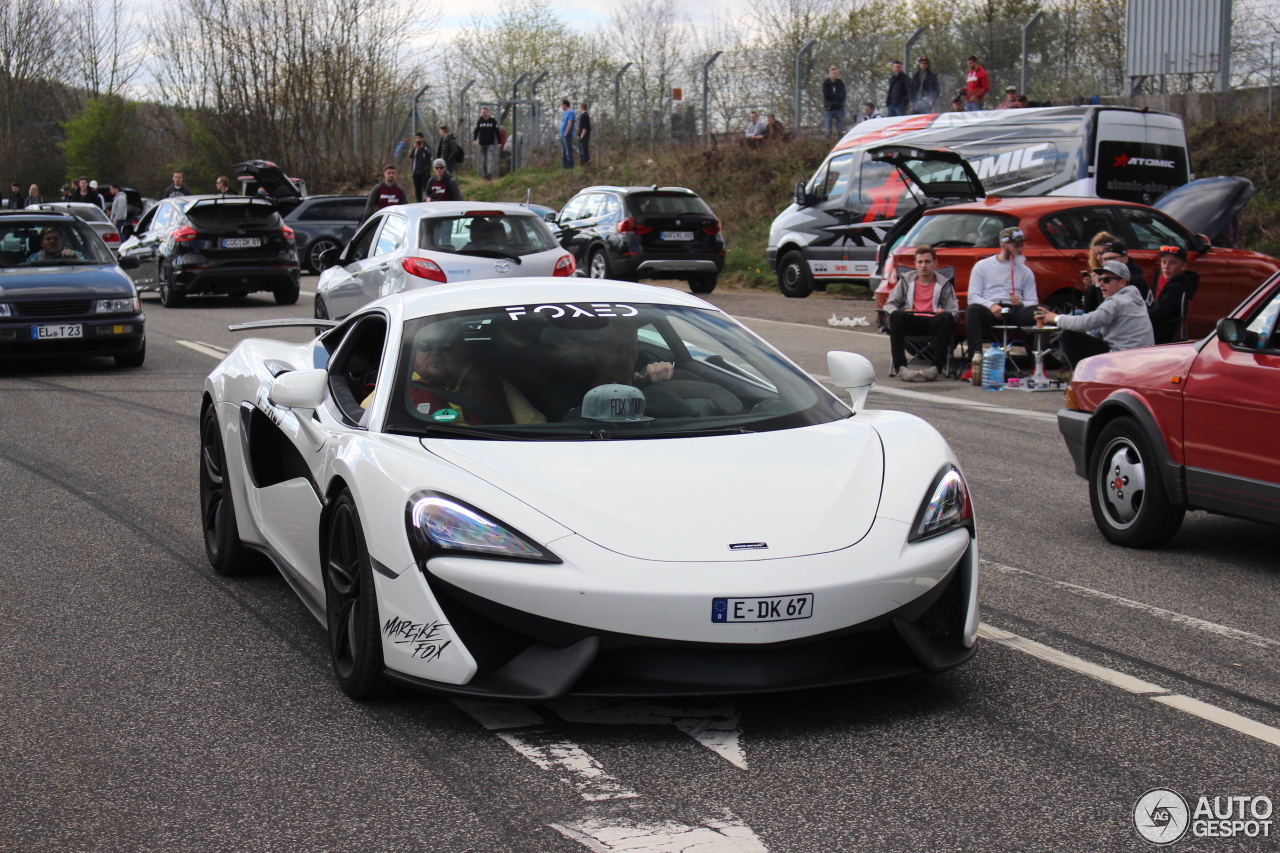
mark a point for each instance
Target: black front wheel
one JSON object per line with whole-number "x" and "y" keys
{"x": 794, "y": 278}
{"x": 222, "y": 544}
{"x": 171, "y": 295}
{"x": 351, "y": 604}
{"x": 287, "y": 294}
{"x": 703, "y": 283}
{"x": 1127, "y": 490}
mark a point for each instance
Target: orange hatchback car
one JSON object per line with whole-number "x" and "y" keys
{"x": 1059, "y": 229}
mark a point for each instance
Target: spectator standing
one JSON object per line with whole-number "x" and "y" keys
{"x": 448, "y": 149}
{"x": 898, "y": 99}
{"x": 16, "y": 198}
{"x": 85, "y": 193}
{"x": 486, "y": 137}
{"x": 222, "y": 186}
{"x": 869, "y": 111}
{"x": 922, "y": 303}
{"x": 33, "y": 196}
{"x": 1023, "y": 103}
{"x": 120, "y": 208}
{"x": 1001, "y": 289}
{"x": 833, "y": 95}
{"x": 420, "y": 165}
{"x": 976, "y": 86}
{"x": 402, "y": 148}
{"x": 1119, "y": 323}
{"x": 924, "y": 87}
{"x": 178, "y": 187}
{"x": 584, "y": 134}
{"x": 66, "y": 192}
{"x": 568, "y": 121}
{"x": 755, "y": 129}
{"x": 442, "y": 186}
{"x": 957, "y": 104}
{"x": 1174, "y": 283}
{"x": 384, "y": 194}
{"x": 1010, "y": 101}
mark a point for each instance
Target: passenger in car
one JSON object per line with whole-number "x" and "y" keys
{"x": 444, "y": 381}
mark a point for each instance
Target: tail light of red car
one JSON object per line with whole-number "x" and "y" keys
{"x": 630, "y": 226}
{"x": 565, "y": 266}
{"x": 712, "y": 229}
{"x": 423, "y": 268}
{"x": 185, "y": 234}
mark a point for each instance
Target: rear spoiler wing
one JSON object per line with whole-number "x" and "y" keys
{"x": 283, "y": 323}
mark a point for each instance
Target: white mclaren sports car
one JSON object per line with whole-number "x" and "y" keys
{"x": 556, "y": 486}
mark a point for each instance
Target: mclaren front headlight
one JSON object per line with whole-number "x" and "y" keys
{"x": 946, "y": 506}
{"x": 438, "y": 524}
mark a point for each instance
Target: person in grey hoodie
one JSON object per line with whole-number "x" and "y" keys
{"x": 1120, "y": 323}
{"x": 922, "y": 303}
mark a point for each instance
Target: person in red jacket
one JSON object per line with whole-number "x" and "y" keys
{"x": 386, "y": 192}
{"x": 976, "y": 86}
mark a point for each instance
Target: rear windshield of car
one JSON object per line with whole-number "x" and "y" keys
{"x": 959, "y": 230}
{"x": 32, "y": 243}
{"x": 487, "y": 235}
{"x": 665, "y": 204}
{"x": 596, "y": 370}
{"x": 232, "y": 213}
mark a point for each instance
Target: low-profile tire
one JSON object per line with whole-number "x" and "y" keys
{"x": 794, "y": 278}
{"x": 171, "y": 295}
{"x": 227, "y": 554}
{"x": 315, "y": 250}
{"x": 287, "y": 294}
{"x": 132, "y": 359}
{"x": 1127, "y": 489}
{"x": 351, "y": 604}
{"x": 703, "y": 283}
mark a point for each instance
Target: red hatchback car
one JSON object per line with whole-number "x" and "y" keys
{"x": 1162, "y": 430}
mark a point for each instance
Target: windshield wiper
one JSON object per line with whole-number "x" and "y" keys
{"x": 490, "y": 253}
{"x": 681, "y": 433}
{"x": 472, "y": 432}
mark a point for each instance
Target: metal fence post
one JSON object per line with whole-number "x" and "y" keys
{"x": 535, "y": 112}
{"x": 706, "y": 97}
{"x": 799, "y": 83}
{"x": 462, "y": 106}
{"x": 1271, "y": 82}
{"x": 416, "y": 98}
{"x": 906, "y": 48}
{"x": 1026, "y": 28}
{"x": 515, "y": 125}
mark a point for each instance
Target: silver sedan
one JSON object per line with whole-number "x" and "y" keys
{"x": 412, "y": 246}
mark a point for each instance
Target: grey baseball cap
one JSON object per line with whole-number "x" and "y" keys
{"x": 1114, "y": 268}
{"x": 614, "y": 403}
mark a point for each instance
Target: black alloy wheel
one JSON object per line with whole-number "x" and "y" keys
{"x": 1127, "y": 490}
{"x": 171, "y": 296}
{"x": 315, "y": 250}
{"x": 222, "y": 544}
{"x": 794, "y": 278}
{"x": 351, "y": 604}
{"x": 703, "y": 283}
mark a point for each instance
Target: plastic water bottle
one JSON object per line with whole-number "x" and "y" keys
{"x": 993, "y": 368}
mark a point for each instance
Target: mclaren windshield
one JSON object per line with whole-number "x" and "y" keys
{"x": 596, "y": 371}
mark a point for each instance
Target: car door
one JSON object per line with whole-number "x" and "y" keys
{"x": 341, "y": 284}
{"x": 144, "y": 243}
{"x": 570, "y": 237}
{"x": 1231, "y": 418}
{"x": 831, "y": 195}
{"x": 382, "y": 273}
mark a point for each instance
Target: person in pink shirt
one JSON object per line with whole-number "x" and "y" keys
{"x": 922, "y": 303}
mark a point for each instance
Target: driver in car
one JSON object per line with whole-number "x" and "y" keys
{"x": 52, "y": 248}
{"x": 446, "y": 388}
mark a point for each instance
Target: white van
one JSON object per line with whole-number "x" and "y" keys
{"x": 840, "y": 216}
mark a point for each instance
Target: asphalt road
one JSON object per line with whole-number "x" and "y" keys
{"x": 148, "y": 704}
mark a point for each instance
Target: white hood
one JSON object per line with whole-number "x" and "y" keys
{"x": 800, "y": 491}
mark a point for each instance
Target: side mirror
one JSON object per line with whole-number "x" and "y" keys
{"x": 853, "y": 373}
{"x": 1200, "y": 243}
{"x": 300, "y": 390}
{"x": 329, "y": 258}
{"x": 128, "y": 262}
{"x": 802, "y": 198}
{"x": 1231, "y": 331}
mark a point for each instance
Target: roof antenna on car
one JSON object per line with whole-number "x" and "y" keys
{"x": 528, "y": 193}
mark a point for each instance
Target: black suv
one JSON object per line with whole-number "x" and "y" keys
{"x": 628, "y": 233}
{"x": 213, "y": 244}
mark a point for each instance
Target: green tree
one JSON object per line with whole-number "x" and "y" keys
{"x": 100, "y": 141}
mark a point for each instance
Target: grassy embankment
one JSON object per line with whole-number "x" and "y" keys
{"x": 1249, "y": 149}
{"x": 745, "y": 187}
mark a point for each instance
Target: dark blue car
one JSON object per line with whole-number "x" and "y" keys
{"x": 62, "y": 292}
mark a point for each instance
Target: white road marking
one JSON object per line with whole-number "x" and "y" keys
{"x": 204, "y": 349}
{"x": 1194, "y": 707}
{"x": 952, "y": 401}
{"x": 307, "y": 292}
{"x": 1150, "y": 609}
{"x": 712, "y": 724}
{"x": 573, "y": 764}
{"x": 728, "y": 835}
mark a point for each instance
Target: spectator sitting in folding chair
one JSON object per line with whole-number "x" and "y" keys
{"x": 923, "y": 304}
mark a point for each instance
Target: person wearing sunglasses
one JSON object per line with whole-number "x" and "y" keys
{"x": 442, "y": 186}
{"x": 1174, "y": 285}
{"x": 1119, "y": 323}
